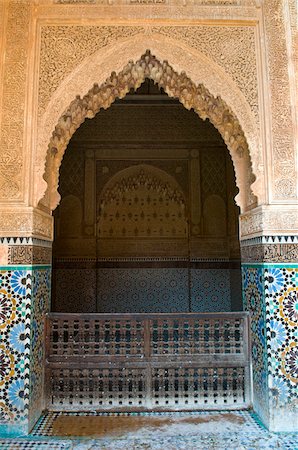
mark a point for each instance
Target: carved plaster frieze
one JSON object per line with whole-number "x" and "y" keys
{"x": 283, "y": 164}
{"x": 269, "y": 220}
{"x": 284, "y": 253}
{"x": 27, "y": 254}
{"x": 26, "y": 222}
{"x": 175, "y": 85}
{"x": 161, "y": 2}
{"x": 163, "y": 9}
{"x": 63, "y": 48}
{"x": 13, "y": 99}
{"x": 75, "y": 2}
{"x": 226, "y": 46}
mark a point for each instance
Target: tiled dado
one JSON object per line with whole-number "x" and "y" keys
{"x": 146, "y": 286}
{"x": 281, "y": 287}
{"x": 24, "y": 299}
{"x": 253, "y": 301}
{"x": 270, "y": 294}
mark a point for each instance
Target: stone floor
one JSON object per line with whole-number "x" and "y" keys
{"x": 167, "y": 431}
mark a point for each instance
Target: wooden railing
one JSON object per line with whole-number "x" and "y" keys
{"x": 147, "y": 361}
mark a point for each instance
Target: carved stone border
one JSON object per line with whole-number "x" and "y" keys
{"x": 175, "y": 85}
{"x": 29, "y": 254}
{"x": 25, "y": 251}
{"x": 273, "y": 220}
{"x": 283, "y": 249}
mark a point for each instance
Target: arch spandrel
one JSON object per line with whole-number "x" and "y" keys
{"x": 197, "y": 96}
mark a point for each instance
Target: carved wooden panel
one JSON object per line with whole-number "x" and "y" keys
{"x": 149, "y": 361}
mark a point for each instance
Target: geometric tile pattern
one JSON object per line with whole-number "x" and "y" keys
{"x": 164, "y": 290}
{"x": 253, "y": 301}
{"x": 270, "y": 293}
{"x": 20, "y": 341}
{"x": 26, "y": 444}
{"x": 142, "y": 289}
{"x": 40, "y": 305}
{"x": 210, "y": 290}
{"x": 281, "y": 289}
{"x": 70, "y": 286}
{"x": 15, "y": 301}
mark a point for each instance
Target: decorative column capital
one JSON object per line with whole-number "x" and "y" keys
{"x": 26, "y": 222}
{"x": 269, "y": 220}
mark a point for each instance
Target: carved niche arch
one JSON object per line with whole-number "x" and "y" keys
{"x": 177, "y": 85}
{"x": 142, "y": 201}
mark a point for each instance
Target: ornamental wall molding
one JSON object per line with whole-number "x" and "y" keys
{"x": 222, "y": 3}
{"x": 270, "y": 253}
{"x": 282, "y": 107}
{"x": 132, "y": 9}
{"x": 29, "y": 254}
{"x": 12, "y": 96}
{"x": 23, "y": 241}
{"x": 268, "y": 221}
{"x": 176, "y": 85}
{"x": 268, "y": 240}
{"x": 25, "y": 222}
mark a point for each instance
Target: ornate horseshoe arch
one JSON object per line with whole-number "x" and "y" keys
{"x": 177, "y": 85}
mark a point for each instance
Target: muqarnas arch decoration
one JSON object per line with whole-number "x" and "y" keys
{"x": 138, "y": 201}
{"x": 175, "y": 85}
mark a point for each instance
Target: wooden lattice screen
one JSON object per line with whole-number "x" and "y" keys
{"x": 130, "y": 362}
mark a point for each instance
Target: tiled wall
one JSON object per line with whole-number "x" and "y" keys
{"x": 74, "y": 289}
{"x": 15, "y": 302}
{"x": 281, "y": 288}
{"x": 270, "y": 294}
{"x": 24, "y": 297}
{"x": 142, "y": 290}
{"x": 41, "y": 290}
{"x": 146, "y": 289}
{"x": 254, "y": 302}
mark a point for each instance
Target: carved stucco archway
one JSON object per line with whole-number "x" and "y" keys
{"x": 178, "y": 85}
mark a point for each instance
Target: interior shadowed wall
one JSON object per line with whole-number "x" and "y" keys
{"x": 147, "y": 220}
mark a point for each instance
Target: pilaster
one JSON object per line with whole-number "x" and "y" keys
{"x": 270, "y": 284}
{"x": 25, "y": 280}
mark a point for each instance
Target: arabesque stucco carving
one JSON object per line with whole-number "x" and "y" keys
{"x": 175, "y": 85}
{"x": 12, "y": 103}
{"x": 63, "y": 48}
{"x": 232, "y": 48}
{"x": 284, "y": 174}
